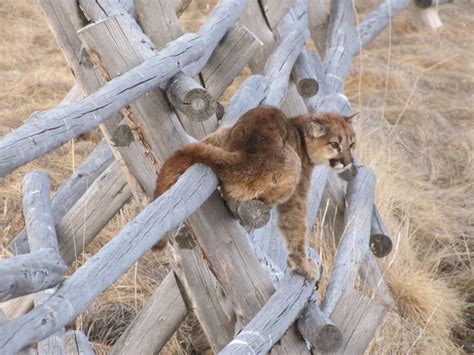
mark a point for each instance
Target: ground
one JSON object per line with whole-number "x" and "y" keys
{"x": 414, "y": 89}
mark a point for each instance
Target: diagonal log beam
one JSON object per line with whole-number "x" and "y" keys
{"x": 47, "y": 130}
{"x": 272, "y": 321}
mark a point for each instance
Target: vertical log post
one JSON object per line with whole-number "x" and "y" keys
{"x": 76, "y": 343}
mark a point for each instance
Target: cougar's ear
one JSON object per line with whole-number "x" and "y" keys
{"x": 352, "y": 118}
{"x": 315, "y": 128}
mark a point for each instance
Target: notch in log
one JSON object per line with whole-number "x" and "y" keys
{"x": 251, "y": 214}
{"x": 76, "y": 343}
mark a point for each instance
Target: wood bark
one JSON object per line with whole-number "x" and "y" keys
{"x": 274, "y": 13}
{"x": 29, "y": 273}
{"x": 156, "y": 322}
{"x": 76, "y": 343}
{"x": 47, "y": 130}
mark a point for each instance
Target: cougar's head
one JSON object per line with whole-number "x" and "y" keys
{"x": 330, "y": 139}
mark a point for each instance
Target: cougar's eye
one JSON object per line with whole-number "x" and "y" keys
{"x": 352, "y": 146}
{"x": 334, "y": 145}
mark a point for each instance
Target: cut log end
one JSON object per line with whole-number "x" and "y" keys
{"x": 328, "y": 339}
{"x": 252, "y": 214}
{"x": 307, "y": 87}
{"x": 199, "y": 105}
{"x": 380, "y": 244}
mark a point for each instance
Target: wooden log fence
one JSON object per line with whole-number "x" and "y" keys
{"x": 220, "y": 281}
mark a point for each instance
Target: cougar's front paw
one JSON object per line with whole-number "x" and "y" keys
{"x": 304, "y": 266}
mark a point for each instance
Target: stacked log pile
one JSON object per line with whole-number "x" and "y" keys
{"x": 151, "y": 89}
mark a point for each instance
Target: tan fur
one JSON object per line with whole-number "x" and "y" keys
{"x": 268, "y": 157}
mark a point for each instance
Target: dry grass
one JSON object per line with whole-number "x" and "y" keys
{"x": 416, "y": 132}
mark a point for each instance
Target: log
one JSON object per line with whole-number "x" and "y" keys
{"x": 186, "y": 95}
{"x": 37, "y": 211}
{"x": 273, "y": 320}
{"x": 47, "y": 130}
{"x": 380, "y": 243}
{"x": 293, "y": 35}
{"x": 355, "y": 240}
{"x": 318, "y": 24}
{"x": 95, "y": 275}
{"x": 159, "y": 31}
{"x": 29, "y": 273}
{"x": 273, "y": 13}
{"x": 104, "y": 198}
{"x": 232, "y": 54}
{"x": 66, "y": 18}
{"x": 41, "y": 235}
{"x": 425, "y": 17}
{"x": 202, "y": 291}
{"x": 376, "y": 21}
{"x": 246, "y": 301}
{"x": 304, "y": 77}
{"x": 159, "y": 318}
{"x": 203, "y": 106}
{"x": 106, "y": 195}
{"x": 76, "y": 343}
{"x": 250, "y": 94}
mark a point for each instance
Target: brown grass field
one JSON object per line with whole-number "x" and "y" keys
{"x": 415, "y": 91}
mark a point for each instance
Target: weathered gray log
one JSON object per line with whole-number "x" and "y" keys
{"x": 168, "y": 31}
{"x": 155, "y": 323}
{"x": 104, "y": 198}
{"x": 191, "y": 98}
{"x": 65, "y": 18}
{"x": 278, "y": 70}
{"x": 41, "y": 235}
{"x": 247, "y": 302}
{"x": 274, "y": 13}
{"x": 202, "y": 291}
{"x": 250, "y": 94}
{"x": 380, "y": 242}
{"x": 318, "y": 25}
{"x": 376, "y": 21}
{"x": 183, "y": 92}
{"x": 232, "y": 54}
{"x": 304, "y": 77}
{"x": 106, "y": 195}
{"x": 273, "y": 320}
{"x": 221, "y": 19}
{"x": 37, "y": 211}
{"x": 355, "y": 241}
{"x": 29, "y": 273}
{"x": 179, "y": 6}
{"x": 47, "y": 130}
{"x": 135, "y": 239}
{"x": 424, "y": 17}
{"x": 293, "y": 32}
{"x": 252, "y": 214}
{"x": 76, "y": 343}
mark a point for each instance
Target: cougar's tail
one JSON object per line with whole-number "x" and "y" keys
{"x": 216, "y": 158}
